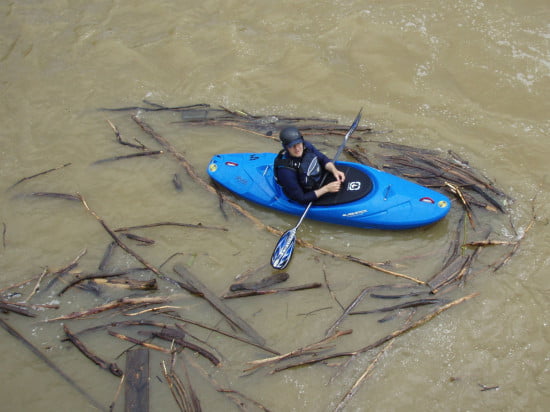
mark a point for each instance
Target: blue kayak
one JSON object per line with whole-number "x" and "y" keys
{"x": 369, "y": 198}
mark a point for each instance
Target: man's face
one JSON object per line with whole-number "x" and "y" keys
{"x": 297, "y": 150}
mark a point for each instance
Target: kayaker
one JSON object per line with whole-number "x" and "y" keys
{"x": 299, "y": 168}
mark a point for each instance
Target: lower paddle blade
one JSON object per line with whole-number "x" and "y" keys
{"x": 284, "y": 249}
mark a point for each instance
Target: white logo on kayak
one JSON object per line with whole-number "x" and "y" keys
{"x": 354, "y": 186}
{"x": 358, "y": 213}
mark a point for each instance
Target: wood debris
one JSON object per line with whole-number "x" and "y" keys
{"x": 144, "y": 301}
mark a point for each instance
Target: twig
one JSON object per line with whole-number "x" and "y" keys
{"x": 121, "y": 383}
{"x": 129, "y": 156}
{"x": 37, "y": 286}
{"x": 39, "y": 174}
{"x": 189, "y": 225}
{"x": 139, "y": 342}
{"x": 351, "y": 392}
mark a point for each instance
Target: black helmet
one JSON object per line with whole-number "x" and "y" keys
{"x": 290, "y": 136}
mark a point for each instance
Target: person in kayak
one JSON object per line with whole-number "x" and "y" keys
{"x": 299, "y": 168}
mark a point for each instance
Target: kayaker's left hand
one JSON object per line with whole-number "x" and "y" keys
{"x": 338, "y": 174}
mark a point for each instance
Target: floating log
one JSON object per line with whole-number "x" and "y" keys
{"x": 412, "y": 304}
{"x": 111, "y": 367}
{"x": 218, "y": 304}
{"x": 16, "y": 308}
{"x": 178, "y": 337}
{"x": 128, "y": 283}
{"x": 261, "y": 284}
{"x": 136, "y": 389}
{"x": 258, "y": 292}
{"x": 111, "y": 305}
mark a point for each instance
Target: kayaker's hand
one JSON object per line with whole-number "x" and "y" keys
{"x": 331, "y": 187}
{"x": 339, "y": 175}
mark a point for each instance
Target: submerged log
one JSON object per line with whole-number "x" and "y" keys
{"x": 136, "y": 389}
{"x": 51, "y": 365}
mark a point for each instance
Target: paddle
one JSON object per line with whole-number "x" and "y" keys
{"x": 285, "y": 246}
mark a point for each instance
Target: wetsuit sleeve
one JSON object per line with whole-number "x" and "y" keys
{"x": 288, "y": 179}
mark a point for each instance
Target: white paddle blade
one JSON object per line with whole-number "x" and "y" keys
{"x": 284, "y": 249}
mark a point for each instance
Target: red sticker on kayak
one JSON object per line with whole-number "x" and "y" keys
{"x": 231, "y": 164}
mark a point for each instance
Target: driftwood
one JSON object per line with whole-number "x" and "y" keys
{"x": 111, "y": 367}
{"x": 313, "y": 349}
{"x": 218, "y": 304}
{"x": 55, "y": 195}
{"x": 176, "y": 336}
{"x": 39, "y": 174}
{"x": 411, "y": 304}
{"x": 189, "y": 225}
{"x": 139, "y": 342}
{"x": 128, "y": 283}
{"x": 57, "y": 274}
{"x": 182, "y": 390}
{"x": 261, "y": 284}
{"x": 111, "y": 305}
{"x": 136, "y": 388}
{"x": 20, "y": 309}
{"x": 221, "y": 332}
{"x": 383, "y": 340}
{"x": 258, "y": 292}
{"x": 130, "y": 156}
{"x": 137, "y": 145}
{"x": 243, "y": 402}
{"x": 427, "y": 167}
{"x": 96, "y": 276}
{"x": 51, "y": 365}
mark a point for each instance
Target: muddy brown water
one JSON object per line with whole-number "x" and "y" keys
{"x": 467, "y": 76}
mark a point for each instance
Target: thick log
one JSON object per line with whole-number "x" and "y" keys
{"x": 218, "y": 304}
{"x": 136, "y": 389}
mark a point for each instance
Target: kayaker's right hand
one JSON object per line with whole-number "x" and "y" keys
{"x": 331, "y": 187}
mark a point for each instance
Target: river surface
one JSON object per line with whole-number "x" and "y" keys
{"x": 470, "y": 76}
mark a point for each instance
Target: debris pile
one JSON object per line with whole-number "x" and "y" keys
{"x": 149, "y": 320}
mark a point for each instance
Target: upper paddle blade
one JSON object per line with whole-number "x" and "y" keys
{"x": 284, "y": 249}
